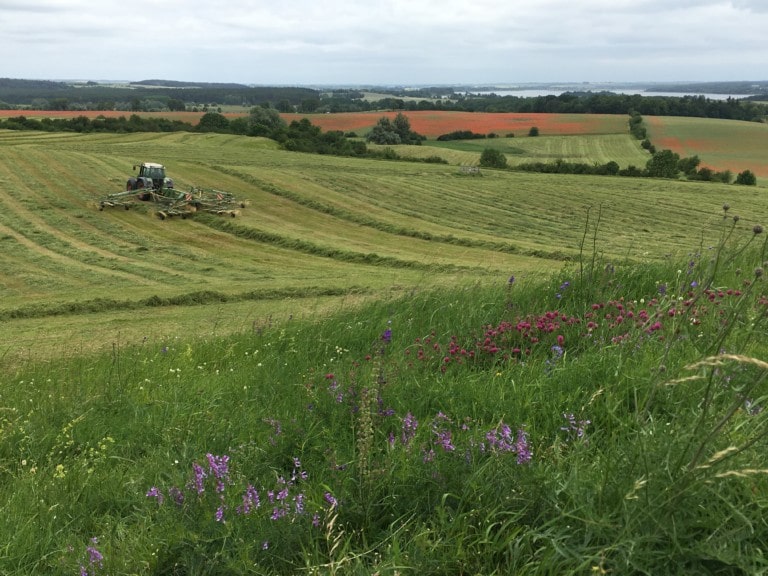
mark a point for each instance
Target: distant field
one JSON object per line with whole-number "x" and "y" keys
{"x": 432, "y": 124}
{"x": 587, "y": 148}
{"x": 721, "y": 144}
{"x": 429, "y": 123}
{"x": 318, "y": 230}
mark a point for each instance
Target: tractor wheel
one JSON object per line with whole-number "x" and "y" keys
{"x": 130, "y": 185}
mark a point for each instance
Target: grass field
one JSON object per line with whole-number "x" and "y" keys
{"x": 315, "y": 226}
{"x": 378, "y": 367}
{"x": 721, "y": 144}
{"x": 587, "y": 148}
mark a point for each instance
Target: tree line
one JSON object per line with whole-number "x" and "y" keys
{"x": 567, "y": 103}
{"x": 159, "y": 95}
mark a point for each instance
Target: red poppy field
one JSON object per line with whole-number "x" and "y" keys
{"x": 429, "y": 123}
{"x": 434, "y": 123}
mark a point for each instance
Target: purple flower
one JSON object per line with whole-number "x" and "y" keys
{"x": 298, "y": 502}
{"x": 219, "y": 467}
{"x": 95, "y": 559}
{"x": 154, "y": 492}
{"x": 200, "y": 475}
{"x": 511, "y": 280}
{"x": 328, "y": 497}
{"x": 409, "y": 429}
{"x": 220, "y": 513}
{"x": 251, "y": 501}
{"x": 663, "y": 289}
{"x": 176, "y": 495}
{"x": 500, "y": 439}
{"x": 522, "y": 448}
{"x": 574, "y": 428}
{"x": 387, "y": 336}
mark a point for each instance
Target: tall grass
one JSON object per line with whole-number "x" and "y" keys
{"x": 607, "y": 419}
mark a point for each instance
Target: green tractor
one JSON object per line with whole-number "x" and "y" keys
{"x": 151, "y": 178}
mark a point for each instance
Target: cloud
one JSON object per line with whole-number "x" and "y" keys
{"x": 751, "y": 5}
{"x": 408, "y": 41}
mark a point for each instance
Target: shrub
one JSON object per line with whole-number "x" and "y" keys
{"x": 492, "y": 158}
{"x": 746, "y": 178}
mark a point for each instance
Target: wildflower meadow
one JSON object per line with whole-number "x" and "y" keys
{"x": 607, "y": 419}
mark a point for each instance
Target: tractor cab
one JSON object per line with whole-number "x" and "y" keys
{"x": 151, "y": 177}
{"x": 153, "y": 172}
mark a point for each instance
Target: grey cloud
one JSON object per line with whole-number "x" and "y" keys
{"x": 751, "y": 5}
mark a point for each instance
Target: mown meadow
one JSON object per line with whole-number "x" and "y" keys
{"x": 377, "y": 367}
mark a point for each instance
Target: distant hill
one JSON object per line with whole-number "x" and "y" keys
{"x": 142, "y": 95}
{"x": 181, "y": 84}
{"x": 14, "y": 83}
{"x": 740, "y": 87}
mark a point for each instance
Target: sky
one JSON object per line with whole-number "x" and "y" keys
{"x": 385, "y": 42}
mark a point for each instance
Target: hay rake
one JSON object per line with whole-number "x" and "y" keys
{"x": 151, "y": 185}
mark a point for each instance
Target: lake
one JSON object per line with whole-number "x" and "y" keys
{"x": 536, "y": 93}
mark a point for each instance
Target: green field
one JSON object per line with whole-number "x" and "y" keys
{"x": 378, "y": 367}
{"x": 721, "y": 144}
{"x": 589, "y": 148}
{"x": 315, "y": 227}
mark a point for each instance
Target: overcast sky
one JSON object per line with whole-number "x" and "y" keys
{"x": 401, "y": 42}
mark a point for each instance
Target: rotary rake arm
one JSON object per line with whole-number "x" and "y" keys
{"x": 171, "y": 202}
{"x": 214, "y": 201}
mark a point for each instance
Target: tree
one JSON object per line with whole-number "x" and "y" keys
{"x": 384, "y": 133}
{"x": 534, "y": 131}
{"x": 705, "y": 174}
{"x": 725, "y": 176}
{"x": 176, "y": 105}
{"x": 746, "y": 178}
{"x": 397, "y": 131}
{"x": 309, "y": 105}
{"x": 689, "y": 165}
{"x": 265, "y": 122}
{"x": 284, "y": 105}
{"x": 611, "y": 168}
{"x": 663, "y": 164}
{"x": 402, "y": 126}
{"x": 213, "y": 122}
{"x": 492, "y": 158}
